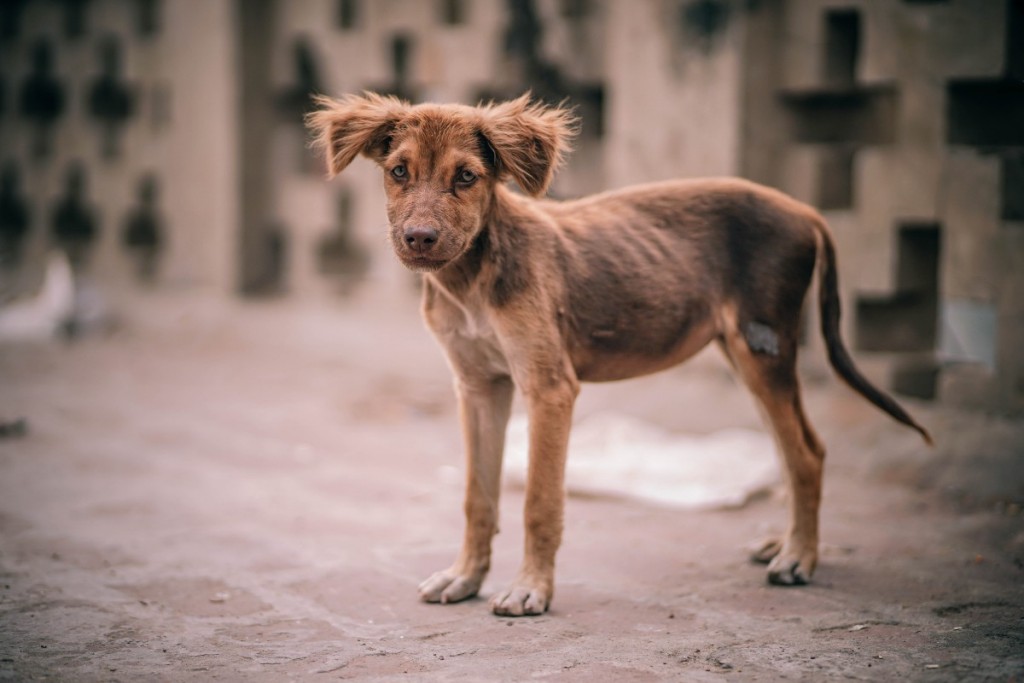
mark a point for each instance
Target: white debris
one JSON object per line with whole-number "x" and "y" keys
{"x": 41, "y": 316}
{"x": 616, "y": 455}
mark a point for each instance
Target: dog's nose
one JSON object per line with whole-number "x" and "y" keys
{"x": 420, "y": 238}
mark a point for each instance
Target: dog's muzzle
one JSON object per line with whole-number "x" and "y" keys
{"x": 420, "y": 239}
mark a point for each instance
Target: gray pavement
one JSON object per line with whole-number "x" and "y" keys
{"x": 239, "y": 491}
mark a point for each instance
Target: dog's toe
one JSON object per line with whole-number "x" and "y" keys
{"x": 447, "y": 586}
{"x": 519, "y": 601}
{"x": 791, "y": 569}
{"x": 765, "y": 551}
{"x": 788, "y": 576}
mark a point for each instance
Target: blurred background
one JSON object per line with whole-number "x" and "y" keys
{"x": 229, "y": 448}
{"x": 161, "y": 145}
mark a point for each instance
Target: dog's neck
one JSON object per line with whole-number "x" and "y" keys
{"x": 489, "y": 263}
{"x": 459, "y": 277}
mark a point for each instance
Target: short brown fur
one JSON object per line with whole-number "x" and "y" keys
{"x": 540, "y": 295}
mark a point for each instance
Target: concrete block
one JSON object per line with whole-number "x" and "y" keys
{"x": 970, "y": 216}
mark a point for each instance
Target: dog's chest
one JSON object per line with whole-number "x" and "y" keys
{"x": 468, "y": 336}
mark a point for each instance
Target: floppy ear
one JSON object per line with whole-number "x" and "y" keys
{"x": 529, "y": 140}
{"x": 355, "y": 124}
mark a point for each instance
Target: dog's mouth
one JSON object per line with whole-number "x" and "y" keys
{"x": 422, "y": 263}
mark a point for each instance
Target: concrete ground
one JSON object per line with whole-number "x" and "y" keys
{"x": 230, "y": 491}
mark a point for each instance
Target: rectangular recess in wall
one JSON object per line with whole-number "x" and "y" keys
{"x": 347, "y": 14}
{"x": 1015, "y": 40}
{"x": 865, "y": 116}
{"x": 835, "y": 177}
{"x": 453, "y": 12}
{"x": 1012, "y": 190}
{"x": 906, "y": 320}
{"x": 985, "y": 113}
{"x": 917, "y": 377}
{"x": 842, "y": 46}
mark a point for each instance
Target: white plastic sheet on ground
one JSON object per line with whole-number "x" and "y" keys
{"x": 617, "y": 455}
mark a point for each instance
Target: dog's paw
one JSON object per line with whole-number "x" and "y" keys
{"x": 792, "y": 568}
{"x": 448, "y": 586}
{"x": 521, "y": 600}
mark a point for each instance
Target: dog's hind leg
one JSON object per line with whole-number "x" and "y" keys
{"x": 765, "y": 359}
{"x": 484, "y": 407}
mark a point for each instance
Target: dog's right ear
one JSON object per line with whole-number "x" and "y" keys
{"x": 352, "y": 125}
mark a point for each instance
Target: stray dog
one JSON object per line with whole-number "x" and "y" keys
{"x": 542, "y": 295}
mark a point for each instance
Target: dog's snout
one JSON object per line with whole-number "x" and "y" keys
{"x": 420, "y": 238}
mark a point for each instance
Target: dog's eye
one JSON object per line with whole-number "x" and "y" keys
{"x": 399, "y": 171}
{"x": 466, "y": 177}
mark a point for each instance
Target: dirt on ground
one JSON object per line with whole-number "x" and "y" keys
{"x": 252, "y": 491}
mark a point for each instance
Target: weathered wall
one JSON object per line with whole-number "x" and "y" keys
{"x": 674, "y": 92}
{"x": 899, "y": 119}
{"x": 180, "y": 127}
{"x": 863, "y": 112}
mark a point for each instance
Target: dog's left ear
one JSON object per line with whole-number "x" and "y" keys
{"x": 529, "y": 140}
{"x": 353, "y": 125}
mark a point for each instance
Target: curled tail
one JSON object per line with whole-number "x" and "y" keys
{"x": 838, "y": 356}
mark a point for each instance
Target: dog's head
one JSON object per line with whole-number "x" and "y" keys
{"x": 441, "y": 162}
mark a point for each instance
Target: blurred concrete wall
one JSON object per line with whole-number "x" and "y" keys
{"x": 904, "y": 122}
{"x": 164, "y": 106}
{"x": 899, "y": 118}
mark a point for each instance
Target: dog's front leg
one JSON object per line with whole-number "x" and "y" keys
{"x": 484, "y": 406}
{"x": 550, "y": 414}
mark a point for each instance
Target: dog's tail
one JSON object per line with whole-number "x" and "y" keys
{"x": 838, "y": 356}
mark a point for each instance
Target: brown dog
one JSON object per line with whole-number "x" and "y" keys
{"x": 542, "y": 295}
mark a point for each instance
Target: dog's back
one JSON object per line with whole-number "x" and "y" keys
{"x": 646, "y": 272}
